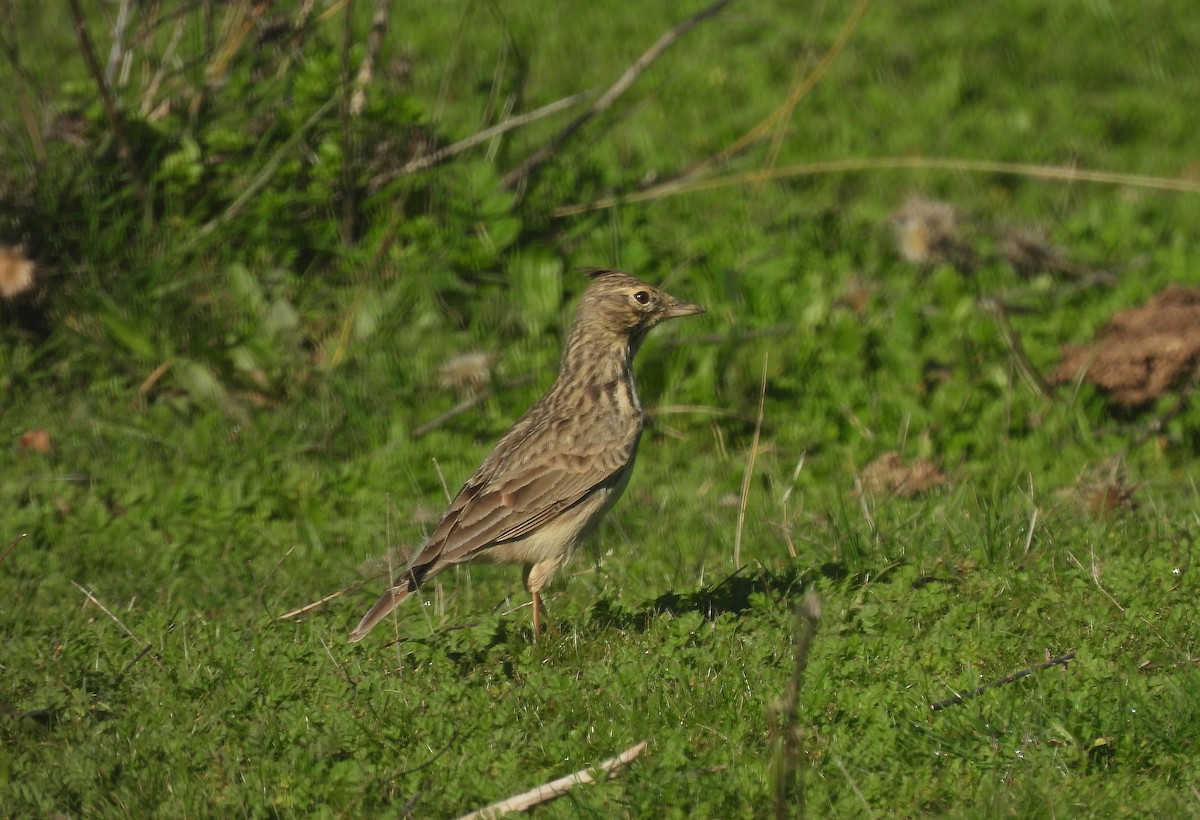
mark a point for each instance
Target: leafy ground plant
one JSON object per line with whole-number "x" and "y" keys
{"x": 248, "y": 381}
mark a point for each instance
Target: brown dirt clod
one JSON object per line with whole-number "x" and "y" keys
{"x": 1143, "y": 353}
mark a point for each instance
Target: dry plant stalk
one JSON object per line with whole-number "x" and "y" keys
{"x": 787, "y": 769}
{"x": 146, "y": 646}
{"x": 12, "y": 546}
{"x": 1060, "y": 173}
{"x": 555, "y": 788}
{"x": 124, "y": 147}
{"x": 539, "y": 157}
{"x": 749, "y": 472}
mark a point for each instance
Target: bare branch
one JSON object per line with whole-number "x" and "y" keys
{"x": 535, "y": 160}
{"x": 124, "y": 147}
{"x": 442, "y": 154}
{"x": 366, "y": 69}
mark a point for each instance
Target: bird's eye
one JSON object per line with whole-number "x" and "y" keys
{"x": 642, "y": 297}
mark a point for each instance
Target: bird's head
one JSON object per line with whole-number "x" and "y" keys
{"x": 622, "y": 304}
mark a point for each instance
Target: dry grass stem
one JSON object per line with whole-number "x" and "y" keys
{"x": 748, "y": 474}
{"x": 788, "y": 771}
{"x": 124, "y": 147}
{"x": 366, "y": 69}
{"x": 510, "y": 123}
{"x": 1059, "y": 173}
{"x": 262, "y": 590}
{"x": 1029, "y": 374}
{"x": 13, "y": 545}
{"x": 797, "y": 93}
{"x": 145, "y": 645}
{"x": 307, "y": 608}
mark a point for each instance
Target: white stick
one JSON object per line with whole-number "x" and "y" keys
{"x": 555, "y": 788}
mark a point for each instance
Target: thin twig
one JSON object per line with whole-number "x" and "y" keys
{"x": 12, "y": 49}
{"x": 268, "y": 171}
{"x": 307, "y": 608}
{"x": 1017, "y": 350}
{"x": 556, "y": 788}
{"x": 168, "y": 54}
{"x": 117, "y": 50}
{"x": 787, "y": 495}
{"x": 12, "y": 545}
{"x": 1061, "y": 660}
{"x": 124, "y": 147}
{"x": 788, "y": 771}
{"x": 442, "y": 154}
{"x": 538, "y": 157}
{"x": 116, "y": 620}
{"x": 145, "y": 650}
{"x": 366, "y": 69}
{"x": 262, "y": 590}
{"x": 722, "y": 338}
{"x": 748, "y": 474}
{"x": 1095, "y": 573}
{"x": 843, "y": 166}
{"x": 467, "y": 404}
{"x": 837, "y": 761}
{"x": 1032, "y": 526}
{"x": 344, "y": 114}
{"x": 795, "y": 95}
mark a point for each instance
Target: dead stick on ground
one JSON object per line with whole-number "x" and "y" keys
{"x": 789, "y": 785}
{"x": 748, "y": 475}
{"x": 535, "y": 160}
{"x": 1061, "y": 660}
{"x": 556, "y": 788}
{"x": 91, "y": 597}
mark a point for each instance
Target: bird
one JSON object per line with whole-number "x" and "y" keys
{"x": 556, "y": 472}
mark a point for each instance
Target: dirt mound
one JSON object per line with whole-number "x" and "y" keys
{"x": 1143, "y": 353}
{"x": 889, "y": 475}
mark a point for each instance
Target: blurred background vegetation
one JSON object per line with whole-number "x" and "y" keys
{"x": 273, "y": 274}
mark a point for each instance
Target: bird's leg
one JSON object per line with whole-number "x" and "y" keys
{"x": 537, "y": 608}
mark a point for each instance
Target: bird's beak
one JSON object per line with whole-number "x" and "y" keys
{"x": 682, "y": 309}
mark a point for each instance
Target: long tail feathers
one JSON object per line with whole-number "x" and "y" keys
{"x": 386, "y": 603}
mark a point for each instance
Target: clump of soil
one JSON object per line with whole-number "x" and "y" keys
{"x": 889, "y": 475}
{"x": 1143, "y": 353}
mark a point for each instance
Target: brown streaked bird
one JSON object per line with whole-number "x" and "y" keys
{"x": 564, "y": 463}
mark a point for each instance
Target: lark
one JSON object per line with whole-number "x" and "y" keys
{"x": 551, "y": 478}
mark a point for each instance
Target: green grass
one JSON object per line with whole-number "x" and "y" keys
{"x": 274, "y": 462}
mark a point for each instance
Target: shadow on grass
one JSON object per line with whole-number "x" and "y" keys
{"x": 730, "y": 596}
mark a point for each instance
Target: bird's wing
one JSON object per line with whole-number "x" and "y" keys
{"x": 491, "y": 510}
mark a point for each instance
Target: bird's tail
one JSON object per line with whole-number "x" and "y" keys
{"x": 386, "y": 603}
